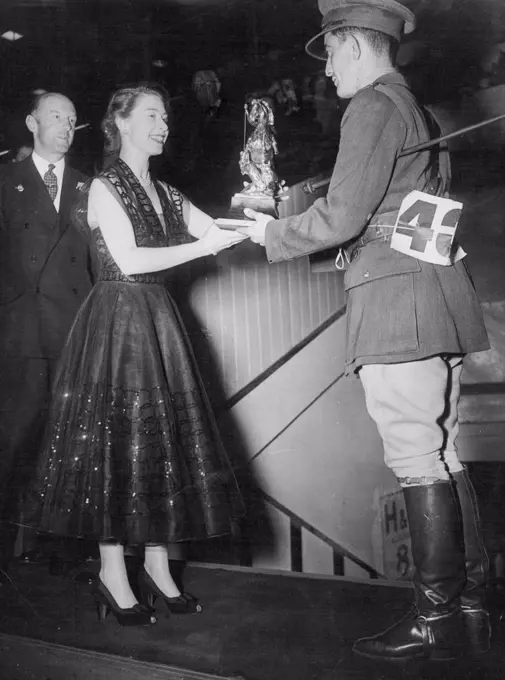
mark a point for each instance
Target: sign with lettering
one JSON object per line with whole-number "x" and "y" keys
{"x": 397, "y": 558}
{"x": 425, "y": 228}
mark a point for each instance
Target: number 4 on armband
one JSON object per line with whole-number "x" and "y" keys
{"x": 425, "y": 228}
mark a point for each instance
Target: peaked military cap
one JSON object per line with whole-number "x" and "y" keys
{"x": 387, "y": 16}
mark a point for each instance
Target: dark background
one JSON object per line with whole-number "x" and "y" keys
{"x": 87, "y": 48}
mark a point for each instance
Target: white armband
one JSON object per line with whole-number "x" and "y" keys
{"x": 425, "y": 228}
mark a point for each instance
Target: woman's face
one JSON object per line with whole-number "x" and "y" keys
{"x": 146, "y": 128}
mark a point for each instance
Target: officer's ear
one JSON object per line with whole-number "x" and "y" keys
{"x": 31, "y": 123}
{"x": 355, "y": 45}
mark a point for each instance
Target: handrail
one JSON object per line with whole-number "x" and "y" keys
{"x": 300, "y": 523}
{"x": 296, "y": 520}
{"x": 279, "y": 363}
{"x": 293, "y": 420}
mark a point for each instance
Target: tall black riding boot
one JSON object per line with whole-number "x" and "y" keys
{"x": 434, "y": 629}
{"x": 473, "y": 597}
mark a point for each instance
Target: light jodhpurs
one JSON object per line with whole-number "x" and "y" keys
{"x": 415, "y": 408}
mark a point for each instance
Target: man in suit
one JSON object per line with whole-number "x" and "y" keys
{"x": 409, "y": 321}
{"x": 45, "y": 274}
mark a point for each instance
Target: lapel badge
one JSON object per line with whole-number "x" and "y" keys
{"x": 20, "y": 188}
{"x": 79, "y": 185}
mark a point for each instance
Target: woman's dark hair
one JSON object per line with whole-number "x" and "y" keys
{"x": 122, "y": 104}
{"x": 380, "y": 43}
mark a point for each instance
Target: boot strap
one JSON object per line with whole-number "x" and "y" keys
{"x": 427, "y": 633}
{"x": 435, "y": 617}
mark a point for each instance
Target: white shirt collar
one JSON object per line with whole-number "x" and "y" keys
{"x": 42, "y": 165}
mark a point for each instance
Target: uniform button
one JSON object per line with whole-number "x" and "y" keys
{"x": 74, "y": 291}
{"x": 26, "y": 225}
{"x": 366, "y": 275}
{"x": 73, "y": 259}
{"x": 33, "y": 258}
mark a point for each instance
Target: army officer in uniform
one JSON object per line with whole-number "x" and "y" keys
{"x": 410, "y": 322}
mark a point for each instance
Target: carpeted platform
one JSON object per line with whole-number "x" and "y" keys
{"x": 256, "y": 626}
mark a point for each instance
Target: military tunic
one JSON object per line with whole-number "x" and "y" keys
{"x": 399, "y": 308}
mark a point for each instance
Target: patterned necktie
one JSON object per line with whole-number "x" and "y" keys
{"x": 51, "y": 181}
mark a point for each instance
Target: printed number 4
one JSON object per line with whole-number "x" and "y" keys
{"x": 423, "y": 232}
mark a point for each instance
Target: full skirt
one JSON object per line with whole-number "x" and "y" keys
{"x": 132, "y": 451}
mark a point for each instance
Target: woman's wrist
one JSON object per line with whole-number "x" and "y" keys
{"x": 204, "y": 248}
{"x": 210, "y": 226}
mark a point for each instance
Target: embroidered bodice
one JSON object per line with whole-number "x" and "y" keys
{"x": 150, "y": 229}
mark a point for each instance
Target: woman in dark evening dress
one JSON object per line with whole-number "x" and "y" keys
{"x": 132, "y": 453}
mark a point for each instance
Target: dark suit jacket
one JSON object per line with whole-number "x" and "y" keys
{"x": 45, "y": 263}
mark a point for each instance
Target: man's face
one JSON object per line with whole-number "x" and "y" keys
{"x": 341, "y": 64}
{"x": 53, "y": 126}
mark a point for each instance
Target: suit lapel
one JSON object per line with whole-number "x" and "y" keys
{"x": 39, "y": 191}
{"x": 68, "y": 189}
{"x": 66, "y": 199}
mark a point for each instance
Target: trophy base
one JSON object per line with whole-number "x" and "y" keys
{"x": 263, "y": 204}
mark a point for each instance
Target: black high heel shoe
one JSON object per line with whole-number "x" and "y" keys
{"x": 138, "y": 615}
{"x": 149, "y": 591}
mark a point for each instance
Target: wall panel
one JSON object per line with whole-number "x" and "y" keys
{"x": 252, "y": 312}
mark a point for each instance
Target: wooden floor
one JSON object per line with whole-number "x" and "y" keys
{"x": 256, "y": 626}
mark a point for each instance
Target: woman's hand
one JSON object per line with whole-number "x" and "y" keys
{"x": 215, "y": 239}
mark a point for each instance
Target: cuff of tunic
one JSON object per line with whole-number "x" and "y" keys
{"x": 273, "y": 241}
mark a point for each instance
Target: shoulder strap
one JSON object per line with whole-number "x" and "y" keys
{"x": 440, "y": 167}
